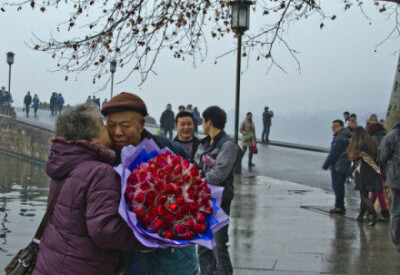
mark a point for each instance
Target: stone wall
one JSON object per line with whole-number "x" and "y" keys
{"x": 23, "y": 139}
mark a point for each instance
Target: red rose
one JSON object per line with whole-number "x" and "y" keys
{"x": 170, "y": 190}
{"x": 149, "y": 202}
{"x": 142, "y": 175}
{"x": 140, "y": 197}
{"x": 185, "y": 208}
{"x": 194, "y": 172}
{"x": 186, "y": 164}
{"x": 146, "y": 221}
{"x": 139, "y": 211}
{"x": 176, "y": 160}
{"x": 199, "y": 228}
{"x": 168, "y": 219}
{"x": 190, "y": 191}
{"x": 132, "y": 179}
{"x": 194, "y": 196}
{"x": 178, "y": 170}
{"x": 158, "y": 224}
{"x": 201, "y": 218}
{"x": 186, "y": 178}
{"x": 179, "y": 215}
{"x": 152, "y": 194}
{"x": 178, "y": 182}
{"x": 173, "y": 207}
{"x": 180, "y": 228}
{"x": 180, "y": 200}
{"x": 159, "y": 186}
{"x": 144, "y": 186}
{"x": 194, "y": 209}
{"x": 178, "y": 191}
{"x": 168, "y": 235}
{"x": 189, "y": 223}
{"x": 162, "y": 200}
{"x": 161, "y": 210}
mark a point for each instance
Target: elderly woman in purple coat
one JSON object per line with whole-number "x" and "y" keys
{"x": 85, "y": 232}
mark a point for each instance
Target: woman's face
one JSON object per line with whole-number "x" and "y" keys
{"x": 103, "y": 138}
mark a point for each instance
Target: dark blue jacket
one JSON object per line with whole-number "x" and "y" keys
{"x": 338, "y": 159}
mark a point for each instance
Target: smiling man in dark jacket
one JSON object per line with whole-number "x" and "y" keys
{"x": 339, "y": 163}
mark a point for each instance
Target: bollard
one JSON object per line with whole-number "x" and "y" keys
{"x": 238, "y": 165}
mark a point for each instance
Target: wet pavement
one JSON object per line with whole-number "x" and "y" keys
{"x": 279, "y": 218}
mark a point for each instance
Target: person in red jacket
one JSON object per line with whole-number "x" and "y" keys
{"x": 85, "y": 231}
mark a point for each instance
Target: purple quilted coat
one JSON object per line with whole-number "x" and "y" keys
{"x": 85, "y": 231}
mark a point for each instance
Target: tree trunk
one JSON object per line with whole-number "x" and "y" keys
{"x": 393, "y": 112}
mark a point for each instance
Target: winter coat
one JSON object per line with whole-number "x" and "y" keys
{"x": 85, "y": 231}
{"x": 35, "y": 103}
{"x": 167, "y": 120}
{"x": 389, "y": 157}
{"x": 245, "y": 128}
{"x": 177, "y": 261}
{"x": 196, "y": 143}
{"x": 60, "y": 101}
{"x": 225, "y": 152}
{"x": 28, "y": 100}
{"x": 338, "y": 160}
{"x": 267, "y": 118}
{"x": 53, "y": 100}
{"x": 379, "y": 136}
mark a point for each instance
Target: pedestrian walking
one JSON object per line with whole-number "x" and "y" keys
{"x": 167, "y": 122}
{"x": 267, "y": 122}
{"x": 60, "y": 103}
{"x": 217, "y": 155}
{"x": 53, "y": 104}
{"x": 27, "y": 102}
{"x": 126, "y": 114}
{"x": 339, "y": 164}
{"x": 363, "y": 149}
{"x": 85, "y": 230}
{"x": 248, "y": 131}
{"x": 377, "y": 131}
{"x": 389, "y": 157}
{"x": 35, "y": 104}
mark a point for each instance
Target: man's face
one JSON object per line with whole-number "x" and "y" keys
{"x": 169, "y": 107}
{"x": 336, "y": 127}
{"x": 206, "y": 127}
{"x": 125, "y": 128}
{"x": 345, "y": 116}
{"x": 352, "y": 123}
{"x": 185, "y": 128}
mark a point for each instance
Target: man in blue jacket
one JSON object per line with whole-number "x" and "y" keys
{"x": 125, "y": 123}
{"x": 339, "y": 163}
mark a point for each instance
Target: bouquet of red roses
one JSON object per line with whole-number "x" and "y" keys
{"x": 165, "y": 201}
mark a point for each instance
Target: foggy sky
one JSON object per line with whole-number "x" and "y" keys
{"x": 339, "y": 69}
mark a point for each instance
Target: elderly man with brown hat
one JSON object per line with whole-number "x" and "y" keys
{"x": 125, "y": 122}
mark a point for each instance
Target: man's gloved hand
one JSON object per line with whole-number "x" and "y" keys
{"x": 208, "y": 160}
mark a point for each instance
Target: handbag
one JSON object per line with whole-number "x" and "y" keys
{"x": 248, "y": 136}
{"x": 255, "y": 149}
{"x": 24, "y": 261}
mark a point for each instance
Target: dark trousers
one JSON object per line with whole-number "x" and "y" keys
{"x": 218, "y": 258}
{"x": 170, "y": 133}
{"x": 27, "y": 109}
{"x": 265, "y": 133}
{"x": 250, "y": 153}
{"x": 338, "y": 180}
{"x": 395, "y": 227}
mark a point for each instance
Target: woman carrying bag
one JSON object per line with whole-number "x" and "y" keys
{"x": 85, "y": 232}
{"x": 248, "y": 132}
{"x": 363, "y": 149}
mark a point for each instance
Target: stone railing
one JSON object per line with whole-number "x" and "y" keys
{"x": 8, "y": 111}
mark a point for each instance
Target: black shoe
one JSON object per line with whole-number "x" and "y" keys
{"x": 375, "y": 220}
{"x": 251, "y": 164}
{"x": 360, "y": 217}
{"x": 338, "y": 210}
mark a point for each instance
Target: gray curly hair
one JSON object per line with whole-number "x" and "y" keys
{"x": 79, "y": 122}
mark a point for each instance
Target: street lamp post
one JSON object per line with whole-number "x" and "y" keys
{"x": 113, "y": 69}
{"x": 10, "y": 61}
{"x": 239, "y": 24}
